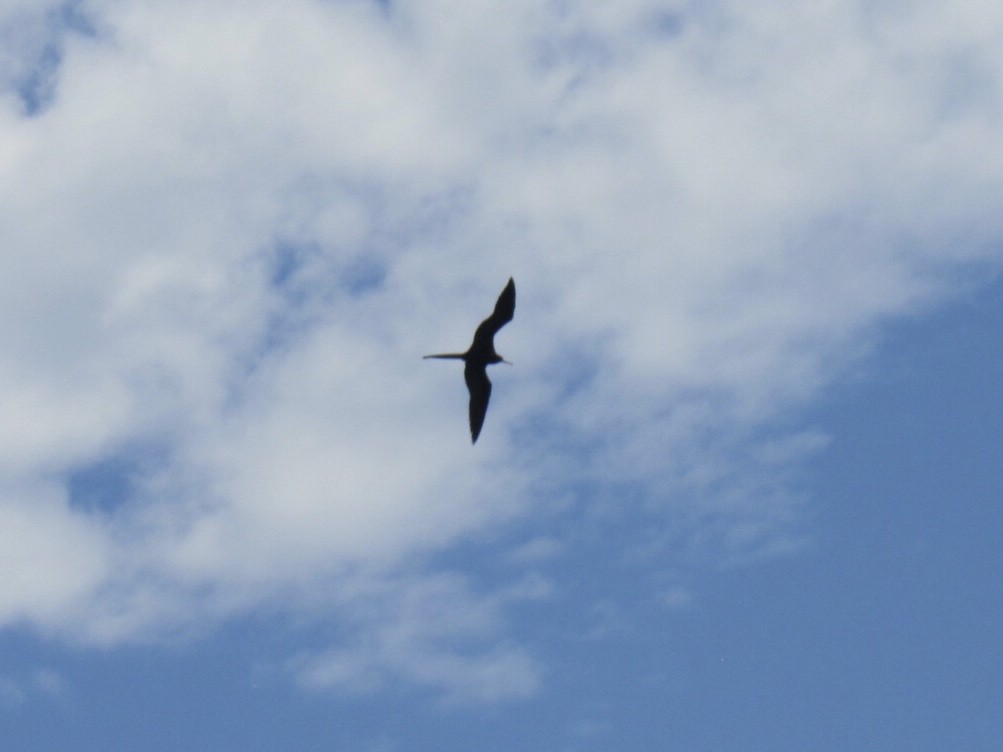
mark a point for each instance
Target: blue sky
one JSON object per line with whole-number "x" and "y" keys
{"x": 739, "y": 491}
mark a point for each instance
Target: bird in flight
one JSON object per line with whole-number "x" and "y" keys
{"x": 480, "y": 355}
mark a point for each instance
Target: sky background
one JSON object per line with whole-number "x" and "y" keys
{"x": 740, "y": 490}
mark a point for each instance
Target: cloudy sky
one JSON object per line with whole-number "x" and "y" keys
{"x": 738, "y": 492}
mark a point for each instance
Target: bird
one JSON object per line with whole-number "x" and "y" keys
{"x": 480, "y": 355}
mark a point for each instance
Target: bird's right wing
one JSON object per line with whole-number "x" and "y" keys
{"x": 502, "y": 314}
{"x": 479, "y": 385}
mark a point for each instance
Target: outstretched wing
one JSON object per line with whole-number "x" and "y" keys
{"x": 476, "y": 377}
{"x": 503, "y": 313}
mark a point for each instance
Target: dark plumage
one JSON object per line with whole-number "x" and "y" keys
{"x": 480, "y": 355}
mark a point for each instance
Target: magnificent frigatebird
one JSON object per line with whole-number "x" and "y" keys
{"x": 480, "y": 355}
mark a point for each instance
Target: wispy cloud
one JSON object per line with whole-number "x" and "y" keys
{"x": 440, "y": 636}
{"x": 43, "y": 683}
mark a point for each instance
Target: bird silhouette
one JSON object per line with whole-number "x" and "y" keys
{"x": 480, "y": 355}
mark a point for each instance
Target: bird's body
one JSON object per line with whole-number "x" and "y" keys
{"x": 480, "y": 355}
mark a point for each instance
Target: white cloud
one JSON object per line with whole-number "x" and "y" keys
{"x": 52, "y": 557}
{"x": 235, "y": 228}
